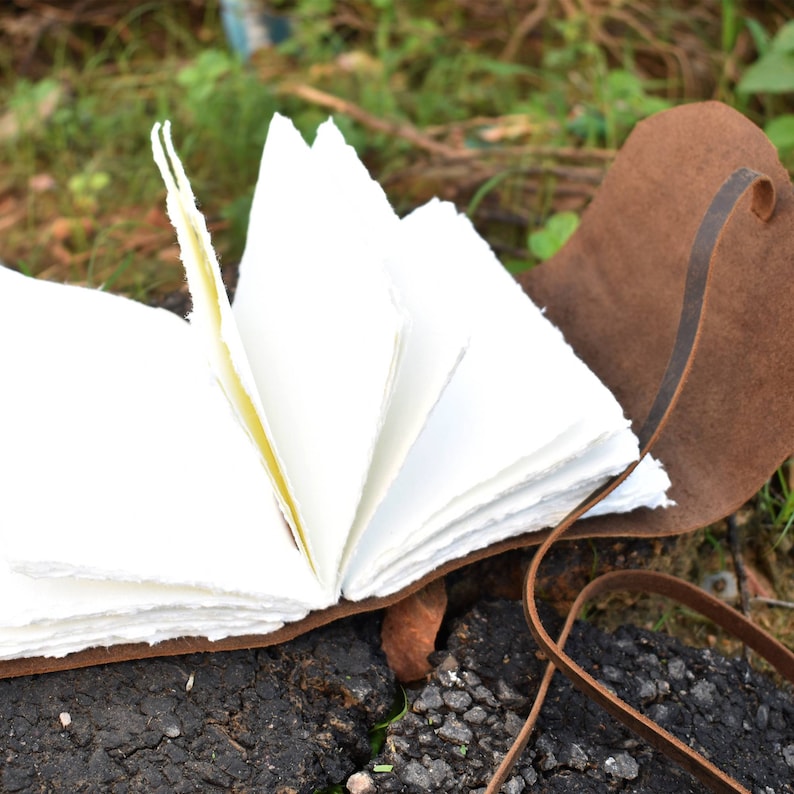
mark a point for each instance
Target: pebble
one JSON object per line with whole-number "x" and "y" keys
{"x": 704, "y": 692}
{"x": 439, "y": 770}
{"x": 676, "y": 669}
{"x": 484, "y": 695}
{"x": 514, "y": 786}
{"x": 507, "y": 695}
{"x": 647, "y": 690}
{"x": 360, "y": 783}
{"x": 476, "y": 715}
{"x": 172, "y": 730}
{"x": 457, "y": 700}
{"x": 455, "y": 731}
{"x": 414, "y": 774}
{"x": 429, "y": 700}
{"x": 574, "y": 757}
{"x": 622, "y": 765}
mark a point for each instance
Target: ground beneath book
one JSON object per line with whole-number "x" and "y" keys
{"x": 380, "y": 398}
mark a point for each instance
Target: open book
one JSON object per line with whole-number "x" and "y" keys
{"x": 381, "y": 398}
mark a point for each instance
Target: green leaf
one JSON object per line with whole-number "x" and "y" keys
{"x": 772, "y": 74}
{"x": 780, "y": 131}
{"x": 383, "y": 768}
{"x": 545, "y": 242}
{"x": 759, "y": 34}
{"x": 784, "y": 39}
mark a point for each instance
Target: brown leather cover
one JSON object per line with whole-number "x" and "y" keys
{"x": 616, "y": 291}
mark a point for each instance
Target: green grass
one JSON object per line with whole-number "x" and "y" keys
{"x": 469, "y": 78}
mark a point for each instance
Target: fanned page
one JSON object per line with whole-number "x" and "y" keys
{"x": 523, "y": 432}
{"x": 134, "y": 506}
{"x": 213, "y": 323}
{"x": 346, "y": 367}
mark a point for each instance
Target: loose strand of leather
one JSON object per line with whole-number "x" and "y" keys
{"x": 699, "y": 272}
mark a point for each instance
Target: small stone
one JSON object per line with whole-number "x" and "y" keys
{"x": 574, "y": 757}
{"x": 788, "y": 755}
{"x": 659, "y": 712}
{"x": 471, "y": 679}
{"x": 676, "y": 669}
{"x": 476, "y": 715}
{"x": 612, "y": 673}
{"x": 647, "y": 690}
{"x": 484, "y": 695}
{"x": 514, "y": 786}
{"x": 762, "y": 717}
{"x": 415, "y": 774}
{"x": 447, "y": 671}
{"x": 648, "y": 661}
{"x": 172, "y": 730}
{"x": 66, "y": 719}
{"x": 513, "y": 723}
{"x": 549, "y": 762}
{"x": 623, "y": 766}
{"x": 663, "y": 687}
{"x": 360, "y": 783}
{"x": 429, "y": 700}
{"x": 546, "y": 744}
{"x": 704, "y": 692}
{"x": 530, "y": 775}
{"x": 439, "y": 770}
{"x": 508, "y": 695}
{"x": 457, "y": 700}
{"x": 455, "y": 731}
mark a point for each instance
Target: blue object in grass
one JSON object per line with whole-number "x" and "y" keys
{"x": 250, "y": 27}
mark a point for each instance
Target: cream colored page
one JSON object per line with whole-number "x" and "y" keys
{"x": 320, "y": 323}
{"x": 212, "y": 318}
{"x": 121, "y": 460}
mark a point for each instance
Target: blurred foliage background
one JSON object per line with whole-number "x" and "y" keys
{"x": 513, "y": 110}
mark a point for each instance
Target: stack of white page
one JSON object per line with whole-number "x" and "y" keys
{"x": 380, "y": 399}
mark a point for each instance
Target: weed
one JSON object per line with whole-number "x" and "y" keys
{"x": 771, "y": 75}
{"x": 776, "y": 500}
{"x": 377, "y": 735}
{"x": 547, "y": 241}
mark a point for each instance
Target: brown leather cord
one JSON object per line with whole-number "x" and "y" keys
{"x": 698, "y": 277}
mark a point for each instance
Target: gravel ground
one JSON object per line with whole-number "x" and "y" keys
{"x": 461, "y": 722}
{"x": 296, "y": 718}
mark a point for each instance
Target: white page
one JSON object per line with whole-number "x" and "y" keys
{"x": 435, "y": 344}
{"x": 539, "y": 504}
{"x": 120, "y": 457}
{"x": 56, "y": 616}
{"x": 318, "y": 318}
{"x": 519, "y": 388}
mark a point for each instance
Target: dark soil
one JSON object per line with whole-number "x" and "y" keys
{"x": 286, "y": 719}
{"x": 297, "y": 718}
{"x": 463, "y": 720}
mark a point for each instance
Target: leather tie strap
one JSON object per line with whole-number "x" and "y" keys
{"x": 699, "y": 272}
